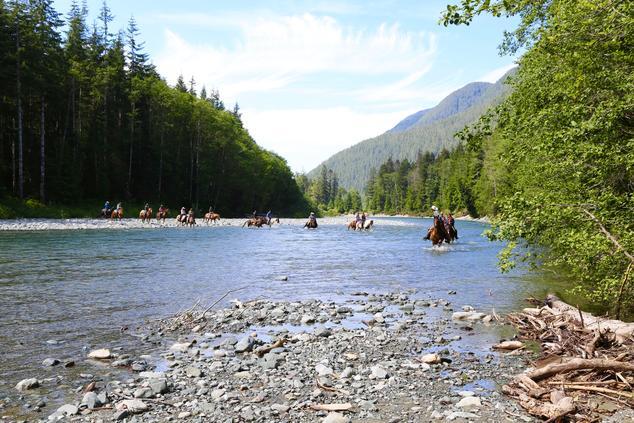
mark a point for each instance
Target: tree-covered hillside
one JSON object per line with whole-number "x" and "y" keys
{"x": 430, "y": 130}
{"x": 84, "y": 115}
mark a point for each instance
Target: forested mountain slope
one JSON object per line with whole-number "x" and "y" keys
{"x": 430, "y": 130}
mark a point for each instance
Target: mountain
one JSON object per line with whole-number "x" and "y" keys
{"x": 426, "y": 130}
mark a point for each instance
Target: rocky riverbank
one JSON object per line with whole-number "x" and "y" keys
{"x": 391, "y": 357}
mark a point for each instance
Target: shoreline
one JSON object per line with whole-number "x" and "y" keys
{"x": 374, "y": 357}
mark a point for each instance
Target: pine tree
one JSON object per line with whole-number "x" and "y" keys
{"x": 180, "y": 84}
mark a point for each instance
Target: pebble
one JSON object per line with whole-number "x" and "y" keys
{"x": 192, "y": 371}
{"x": 469, "y": 402}
{"x": 335, "y": 418}
{"x": 50, "y": 362}
{"x": 27, "y": 384}
{"x": 100, "y": 354}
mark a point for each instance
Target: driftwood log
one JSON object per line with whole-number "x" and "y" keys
{"x": 584, "y": 360}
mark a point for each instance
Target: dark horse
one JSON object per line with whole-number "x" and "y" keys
{"x": 438, "y": 233}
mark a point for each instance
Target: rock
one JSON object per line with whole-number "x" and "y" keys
{"x": 347, "y": 372}
{"x": 323, "y": 370}
{"x": 280, "y": 408}
{"x": 133, "y": 406}
{"x": 152, "y": 375}
{"x": 282, "y": 278}
{"x": 158, "y": 386}
{"x": 27, "y": 384}
{"x": 467, "y": 315}
{"x": 192, "y": 371}
{"x": 335, "y": 418}
{"x": 181, "y": 346}
{"x": 90, "y": 400}
{"x": 344, "y": 310}
{"x": 244, "y": 345}
{"x": 430, "y": 358}
{"x": 461, "y": 415}
{"x": 270, "y": 361}
{"x": 122, "y": 363}
{"x": 466, "y": 393}
{"x": 184, "y": 414}
{"x": 469, "y": 402}
{"x": 407, "y": 308}
{"x": 306, "y": 319}
{"x": 121, "y": 415}
{"x": 467, "y": 308}
{"x": 378, "y": 372}
{"x": 143, "y": 393}
{"x": 101, "y": 354}
{"x": 323, "y": 332}
{"x": 69, "y": 364}
{"x": 51, "y": 362}
{"x": 216, "y": 394}
{"x": 102, "y": 398}
{"x": 67, "y": 410}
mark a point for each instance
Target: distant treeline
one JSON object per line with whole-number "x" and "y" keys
{"x": 84, "y": 115}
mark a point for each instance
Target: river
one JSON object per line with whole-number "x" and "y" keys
{"x": 64, "y": 291}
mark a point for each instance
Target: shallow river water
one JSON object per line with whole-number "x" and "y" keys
{"x": 62, "y": 291}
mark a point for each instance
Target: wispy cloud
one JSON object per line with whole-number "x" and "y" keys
{"x": 273, "y": 52}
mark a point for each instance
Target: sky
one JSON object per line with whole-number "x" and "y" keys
{"x": 315, "y": 77}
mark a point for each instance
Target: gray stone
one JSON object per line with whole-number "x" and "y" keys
{"x": 27, "y": 384}
{"x": 280, "y": 408}
{"x": 193, "y": 371}
{"x": 90, "y": 400}
{"x": 461, "y": 415}
{"x": 143, "y": 393}
{"x": 323, "y": 332}
{"x": 245, "y": 344}
{"x": 323, "y": 370}
{"x": 51, "y": 362}
{"x": 184, "y": 414}
{"x": 469, "y": 402}
{"x": 121, "y": 415}
{"x": 379, "y": 372}
{"x": 122, "y": 363}
{"x": 68, "y": 410}
{"x": 158, "y": 386}
{"x": 335, "y": 418}
{"x": 270, "y": 361}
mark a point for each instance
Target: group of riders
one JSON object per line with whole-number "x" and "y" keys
{"x": 442, "y": 230}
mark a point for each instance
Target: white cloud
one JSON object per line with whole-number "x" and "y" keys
{"x": 496, "y": 74}
{"x": 273, "y": 52}
{"x": 306, "y": 137}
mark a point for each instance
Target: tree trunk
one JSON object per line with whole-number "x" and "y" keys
{"x": 160, "y": 177}
{"x": 129, "y": 184}
{"x": 42, "y": 150}
{"x": 19, "y": 98}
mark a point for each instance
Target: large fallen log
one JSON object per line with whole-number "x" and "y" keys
{"x": 579, "y": 364}
{"x": 622, "y": 330}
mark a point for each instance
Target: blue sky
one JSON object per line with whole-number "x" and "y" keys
{"x": 315, "y": 77}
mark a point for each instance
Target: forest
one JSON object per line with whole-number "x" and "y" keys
{"x": 85, "y": 117}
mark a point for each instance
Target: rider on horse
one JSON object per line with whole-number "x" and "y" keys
{"x": 106, "y": 208}
{"x": 436, "y": 216}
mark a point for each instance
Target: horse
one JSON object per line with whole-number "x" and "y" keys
{"x": 117, "y": 214}
{"x": 311, "y": 224}
{"x": 257, "y": 221}
{"x": 146, "y": 215}
{"x": 105, "y": 213}
{"x": 211, "y": 217}
{"x": 162, "y": 215}
{"x": 186, "y": 219}
{"x": 368, "y": 225}
{"x": 438, "y": 234}
{"x": 352, "y": 225}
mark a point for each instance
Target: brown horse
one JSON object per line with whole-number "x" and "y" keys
{"x": 352, "y": 225}
{"x": 438, "y": 234}
{"x": 146, "y": 215}
{"x": 257, "y": 221}
{"x": 117, "y": 214}
{"x": 161, "y": 215}
{"x": 186, "y": 219}
{"x": 211, "y": 217}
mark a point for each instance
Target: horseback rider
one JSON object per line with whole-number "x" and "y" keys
{"x": 146, "y": 207}
{"x": 161, "y": 209}
{"x": 211, "y": 210}
{"x": 119, "y": 207}
{"x": 268, "y": 217}
{"x": 436, "y": 216}
{"x": 357, "y": 218}
{"x": 183, "y": 214}
{"x": 363, "y": 216}
{"x": 106, "y": 208}
{"x": 452, "y": 222}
